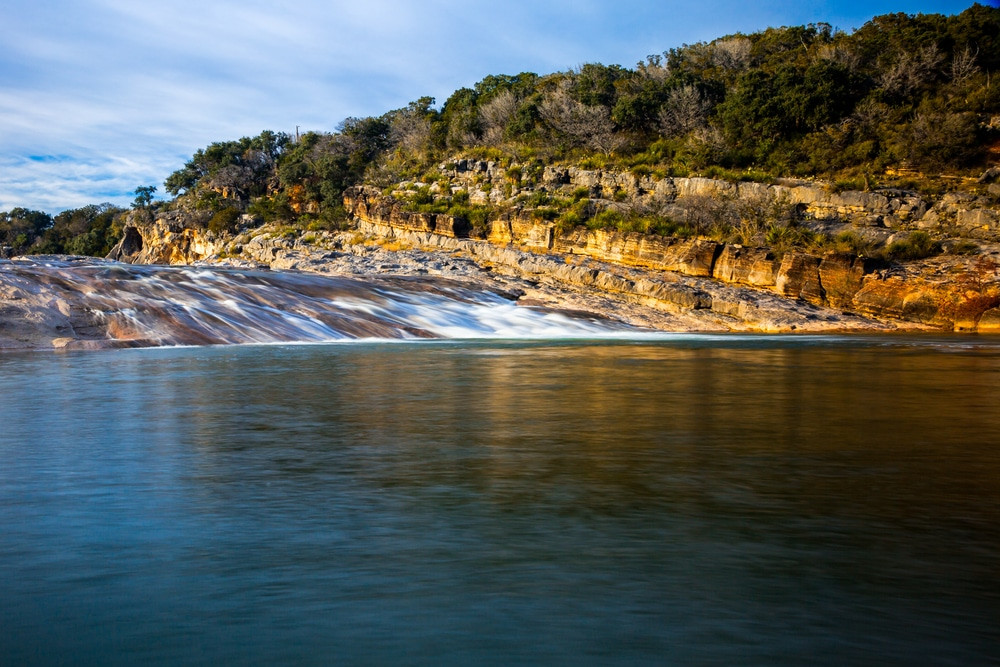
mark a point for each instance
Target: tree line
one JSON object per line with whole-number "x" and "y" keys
{"x": 902, "y": 91}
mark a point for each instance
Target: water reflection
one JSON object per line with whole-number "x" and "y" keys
{"x": 756, "y": 501}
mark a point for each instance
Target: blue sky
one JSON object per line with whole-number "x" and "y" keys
{"x": 99, "y": 96}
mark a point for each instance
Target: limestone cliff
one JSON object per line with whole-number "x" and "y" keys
{"x": 949, "y": 293}
{"x": 168, "y": 238}
{"x": 679, "y": 274}
{"x": 881, "y": 212}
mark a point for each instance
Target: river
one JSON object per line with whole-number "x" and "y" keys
{"x": 696, "y": 499}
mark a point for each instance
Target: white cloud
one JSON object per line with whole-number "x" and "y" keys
{"x": 56, "y": 182}
{"x": 126, "y": 91}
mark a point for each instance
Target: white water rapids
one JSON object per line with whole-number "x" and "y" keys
{"x": 121, "y": 304}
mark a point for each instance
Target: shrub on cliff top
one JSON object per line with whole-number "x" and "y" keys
{"x": 225, "y": 221}
{"x": 852, "y": 243}
{"x": 917, "y": 245}
{"x": 423, "y": 196}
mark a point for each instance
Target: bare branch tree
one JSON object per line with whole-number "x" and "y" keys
{"x": 840, "y": 55}
{"x": 732, "y": 53}
{"x": 963, "y": 65}
{"x": 911, "y": 70}
{"x": 654, "y": 68}
{"x": 410, "y": 131}
{"x": 587, "y": 125}
{"x": 869, "y": 116}
{"x": 685, "y": 110}
{"x": 495, "y": 115}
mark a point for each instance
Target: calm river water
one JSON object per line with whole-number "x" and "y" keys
{"x": 700, "y": 500}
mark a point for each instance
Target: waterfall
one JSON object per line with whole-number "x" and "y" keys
{"x": 123, "y": 304}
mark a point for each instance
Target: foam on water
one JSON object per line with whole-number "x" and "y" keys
{"x": 196, "y": 306}
{"x": 475, "y": 315}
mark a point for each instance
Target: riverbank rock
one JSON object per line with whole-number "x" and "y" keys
{"x": 989, "y": 322}
{"x": 524, "y": 243}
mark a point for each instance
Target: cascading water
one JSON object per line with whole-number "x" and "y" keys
{"x": 108, "y": 304}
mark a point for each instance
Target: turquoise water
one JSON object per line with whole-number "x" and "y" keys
{"x": 701, "y": 500}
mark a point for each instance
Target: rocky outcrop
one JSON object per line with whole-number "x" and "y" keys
{"x": 696, "y": 303}
{"x": 170, "y": 238}
{"x": 834, "y": 280}
{"x": 488, "y": 182}
{"x": 841, "y": 277}
{"x": 747, "y": 266}
{"x": 129, "y": 248}
{"x": 796, "y": 276}
{"x": 741, "y": 286}
{"x": 964, "y": 214}
{"x": 874, "y": 215}
{"x": 990, "y": 321}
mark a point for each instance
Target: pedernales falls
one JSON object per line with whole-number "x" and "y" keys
{"x": 61, "y": 302}
{"x": 399, "y": 274}
{"x": 78, "y": 302}
{"x": 365, "y": 291}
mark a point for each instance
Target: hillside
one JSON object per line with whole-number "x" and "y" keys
{"x": 794, "y": 146}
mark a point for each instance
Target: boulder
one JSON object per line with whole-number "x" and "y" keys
{"x": 842, "y": 276}
{"x": 798, "y": 277}
{"x": 748, "y": 266}
{"x": 451, "y": 226}
{"x": 989, "y": 322}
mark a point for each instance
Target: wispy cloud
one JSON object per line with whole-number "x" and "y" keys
{"x": 121, "y": 93}
{"x": 54, "y": 183}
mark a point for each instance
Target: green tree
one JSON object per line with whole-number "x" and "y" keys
{"x": 242, "y": 168}
{"x": 143, "y": 196}
{"x": 460, "y": 118}
{"x": 595, "y": 84}
{"x": 768, "y": 109}
{"x": 21, "y": 228}
{"x": 89, "y": 230}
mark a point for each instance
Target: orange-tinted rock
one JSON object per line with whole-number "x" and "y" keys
{"x": 530, "y": 234}
{"x": 989, "y": 322}
{"x": 648, "y": 251}
{"x": 841, "y": 277}
{"x": 500, "y": 232}
{"x": 129, "y": 247}
{"x": 838, "y": 280}
{"x": 415, "y": 222}
{"x": 798, "y": 277}
{"x": 452, "y": 226}
{"x": 901, "y": 299}
{"x": 699, "y": 258}
{"x": 749, "y": 266}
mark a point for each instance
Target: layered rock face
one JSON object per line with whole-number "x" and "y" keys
{"x": 679, "y": 274}
{"x": 168, "y": 239}
{"x": 887, "y": 210}
{"x": 840, "y": 281}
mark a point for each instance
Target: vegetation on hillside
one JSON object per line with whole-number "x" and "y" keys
{"x": 89, "y": 230}
{"x": 910, "y": 93}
